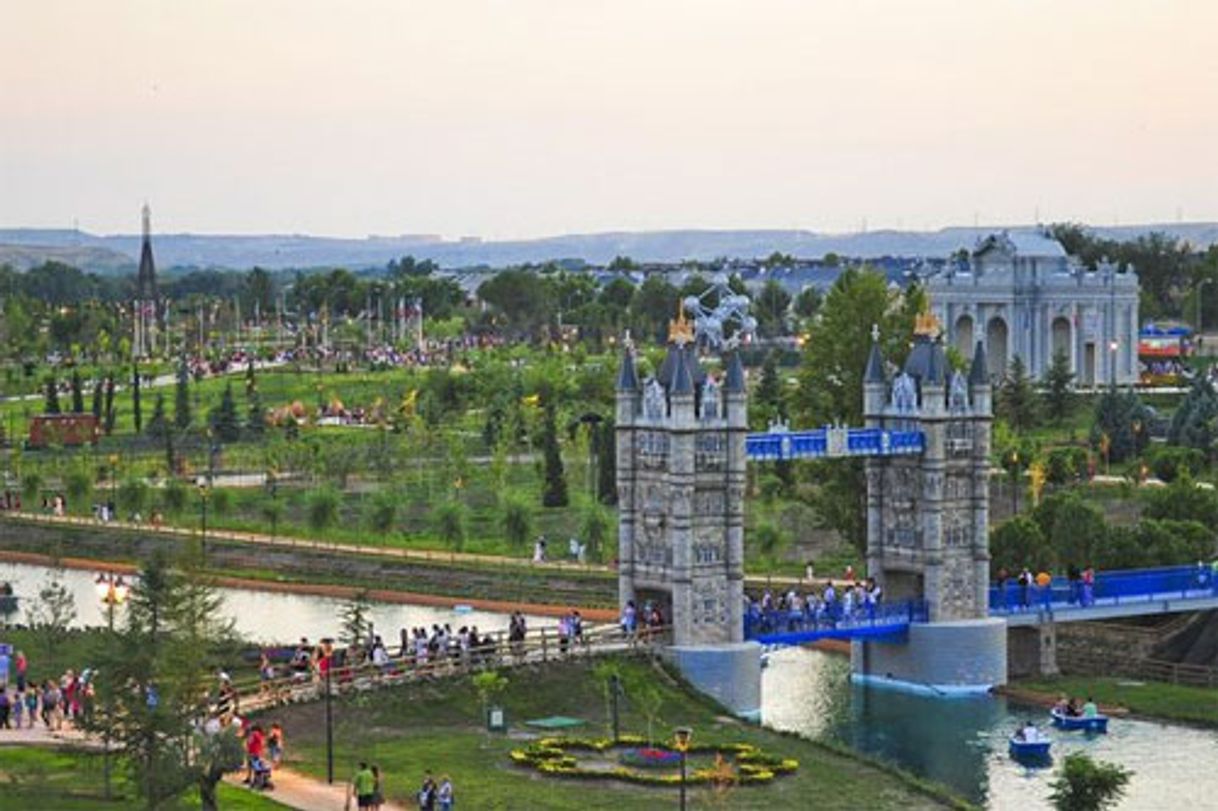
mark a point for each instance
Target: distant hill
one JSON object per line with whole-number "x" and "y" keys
{"x": 23, "y": 246}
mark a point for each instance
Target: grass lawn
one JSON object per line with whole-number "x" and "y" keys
{"x": 407, "y": 730}
{"x": 1195, "y": 705}
{"x": 68, "y": 780}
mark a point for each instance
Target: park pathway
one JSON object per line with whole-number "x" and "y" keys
{"x": 299, "y": 791}
{"x": 292, "y": 789}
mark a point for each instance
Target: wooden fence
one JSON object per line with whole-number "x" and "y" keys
{"x": 1149, "y": 669}
{"x": 540, "y": 646}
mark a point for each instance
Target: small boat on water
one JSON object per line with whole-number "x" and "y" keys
{"x": 1030, "y": 751}
{"x": 1070, "y": 723}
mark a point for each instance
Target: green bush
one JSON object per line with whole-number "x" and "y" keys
{"x": 1083, "y": 784}
{"x": 323, "y": 508}
{"x": 382, "y": 512}
{"x": 1168, "y": 462}
{"x": 516, "y": 518}
{"x": 1182, "y": 500}
{"x": 221, "y": 501}
{"x": 450, "y": 523}
{"x": 132, "y": 497}
{"x": 1065, "y": 465}
{"x": 1017, "y": 543}
{"x": 173, "y": 497}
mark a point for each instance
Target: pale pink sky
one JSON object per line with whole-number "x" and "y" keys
{"x": 530, "y": 117}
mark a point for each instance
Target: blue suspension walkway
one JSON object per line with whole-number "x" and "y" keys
{"x": 1125, "y": 593}
{"x": 887, "y": 621}
{"x": 832, "y": 442}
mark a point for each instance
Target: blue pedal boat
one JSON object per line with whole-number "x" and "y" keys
{"x": 1073, "y": 723}
{"x": 1030, "y": 751}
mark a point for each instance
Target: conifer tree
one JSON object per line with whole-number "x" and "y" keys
{"x": 224, "y": 420}
{"x": 78, "y": 394}
{"x": 137, "y": 411}
{"x": 157, "y": 425}
{"x": 109, "y": 406}
{"x": 1059, "y": 394}
{"x": 181, "y": 401}
{"x": 1016, "y": 398}
{"x": 606, "y": 456}
{"x": 555, "y": 492}
{"x": 52, "y": 396}
{"x": 98, "y": 392}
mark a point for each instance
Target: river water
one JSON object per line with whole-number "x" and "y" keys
{"x": 962, "y": 742}
{"x": 959, "y": 742}
{"x": 262, "y": 616}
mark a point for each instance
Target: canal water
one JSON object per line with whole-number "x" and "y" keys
{"x": 962, "y": 742}
{"x": 262, "y": 616}
{"x": 959, "y": 742}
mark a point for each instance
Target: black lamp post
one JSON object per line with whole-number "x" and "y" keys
{"x": 204, "y": 491}
{"x": 681, "y": 736}
{"x": 329, "y": 661}
{"x": 112, "y": 591}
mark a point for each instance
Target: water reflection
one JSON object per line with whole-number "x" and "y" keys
{"x": 963, "y": 742}
{"x": 261, "y": 616}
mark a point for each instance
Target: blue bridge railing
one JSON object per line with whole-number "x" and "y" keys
{"x": 1122, "y": 587}
{"x": 791, "y": 627}
{"x": 832, "y": 442}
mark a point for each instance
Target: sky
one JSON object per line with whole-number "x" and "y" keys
{"x": 521, "y": 118}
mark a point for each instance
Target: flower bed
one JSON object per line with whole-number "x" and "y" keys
{"x": 745, "y": 763}
{"x": 650, "y": 758}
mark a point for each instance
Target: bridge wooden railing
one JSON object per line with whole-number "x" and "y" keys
{"x": 539, "y": 647}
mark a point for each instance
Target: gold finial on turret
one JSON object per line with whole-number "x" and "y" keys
{"x": 925, "y": 322}
{"x": 680, "y": 331}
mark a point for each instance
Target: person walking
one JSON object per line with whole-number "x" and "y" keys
{"x": 363, "y": 783}
{"x": 427, "y": 793}
{"x": 378, "y": 791}
{"x": 444, "y": 795}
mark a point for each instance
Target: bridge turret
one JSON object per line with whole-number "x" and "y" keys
{"x": 875, "y": 382}
{"x": 980, "y": 391}
{"x": 627, "y": 401}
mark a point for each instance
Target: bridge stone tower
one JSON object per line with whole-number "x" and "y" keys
{"x": 928, "y": 517}
{"x": 680, "y": 479}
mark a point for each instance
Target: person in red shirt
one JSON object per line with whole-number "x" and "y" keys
{"x": 255, "y": 743}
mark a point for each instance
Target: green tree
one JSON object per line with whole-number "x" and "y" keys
{"x": 606, "y": 462}
{"x": 1125, "y": 421}
{"x": 595, "y": 527}
{"x": 51, "y": 387}
{"x": 78, "y": 393}
{"x": 79, "y": 482}
{"x": 132, "y": 496}
{"x": 51, "y": 613}
{"x": 767, "y": 405}
{"x": 137, "y": 413}
{"x": 770, "y": 308}
{"x": 109, "y": 407}
{"x": 98, "y": 394}
{"x": 382, "y": 512}
{"x": 224, "y": 420}
{"x": 181, "y": 395}
{"x": 831, "y": 382}
{"x": 451, "y": 519}
{"x": 516, "y": 518}
{"x": 807, "y": 303}
{"x": 1083, "y": 784}
{"x": 255, "y": 421}
{"x": 554, "y": 493}
{"x": 653, "y": 304}
{"x": 158, "y": 425}
{"x": 151, "y": 686}
{"x": 174, "y": 497}
{"x": 323, "y": 507}
{"x": 1059, "y": 388}
{"x": 1016, "y": 398}
{"x": 1017, "y": 543}
{"x": 1182, "y": 500}
{"x": 356, "y": 619}
{"x": 1194, "y": 423}
{"x": 1076, "y": 528}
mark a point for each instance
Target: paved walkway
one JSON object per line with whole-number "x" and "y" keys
{"x": 300, "y": 791}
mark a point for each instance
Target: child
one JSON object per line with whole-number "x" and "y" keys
{"x": 31, "y": 706}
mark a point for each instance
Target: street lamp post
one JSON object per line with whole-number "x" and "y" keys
{"x": 1200, "y": 286}
{"x": 681, "y": 736}
{"x": 112, "y": 591}
{"x": 203, "y": 485}
{"x": 329, "y": 660}
{"x": 1112, "y": 349}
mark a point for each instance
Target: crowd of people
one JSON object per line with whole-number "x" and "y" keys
{"x": 53, "y": 702}
{"x": 824, "y": 608}
{"x": 1022, "y": 591}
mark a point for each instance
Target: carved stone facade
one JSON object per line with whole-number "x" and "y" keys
{"x": 681, "y": 472}
{"x": 927, "y": 516}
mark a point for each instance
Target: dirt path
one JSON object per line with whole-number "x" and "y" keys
{"x": 305, "y": 793}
